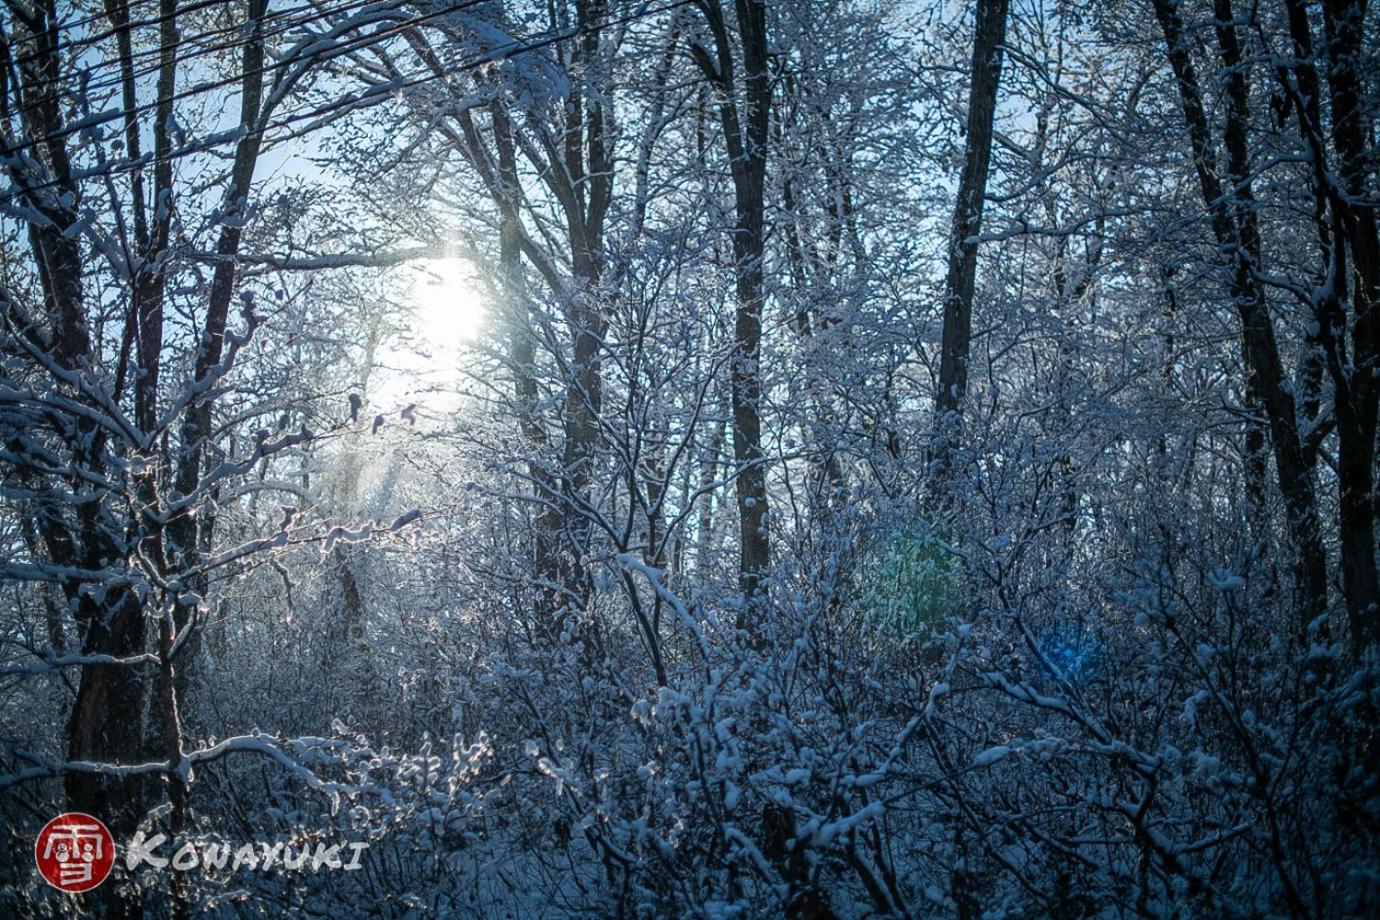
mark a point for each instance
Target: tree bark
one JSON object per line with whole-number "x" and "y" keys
{"x": 1233, "y": 220}
{"x": 106, "y": 721}
{"x": 522, "y": 356}
{"x": 1357, "y": 393}
{"x": 745, "y": 117}
{"x": 961, "y": 279}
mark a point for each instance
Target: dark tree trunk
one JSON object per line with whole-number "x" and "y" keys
{"x": 1234, "y": 227}
{"x": 745, "y": 117}
{"x": 1357, "y": 392}
{"x": 106, "y": 722}
{"x": 522, "y": 357}
{"x": 959, "y": 284}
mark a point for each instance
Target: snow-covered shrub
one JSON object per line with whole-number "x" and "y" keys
{"x": 906, "y": 582}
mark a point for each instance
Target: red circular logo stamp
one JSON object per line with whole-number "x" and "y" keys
{"x": 74, "y": 852}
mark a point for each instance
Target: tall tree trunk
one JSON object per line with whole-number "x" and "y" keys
{"x": 522, "y": 356}
{"x": 745, "y": 117}
{"x": 1235, "y": 229}
{"x": 830, "y": 492}
{"x": 956, "y": 346}
{"x": 189, "y": 533}
{"x": 574, "y": 156}
{"x": 106, "y": 721}
{"x": 588, "y": 172}
{"x": 705, "y": 544}
{"x": 1357, "y": 393}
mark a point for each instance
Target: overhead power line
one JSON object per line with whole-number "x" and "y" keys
{"x": 202, "y": 49}
{"x": 348, "y": 102}
{"x": 345, "y": 47}
{"x": 88, "y": 40}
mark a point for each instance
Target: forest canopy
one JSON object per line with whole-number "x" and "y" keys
{"x": 690, "y": 458}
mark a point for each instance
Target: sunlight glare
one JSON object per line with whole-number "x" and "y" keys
{"x": 448, "y": 305}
